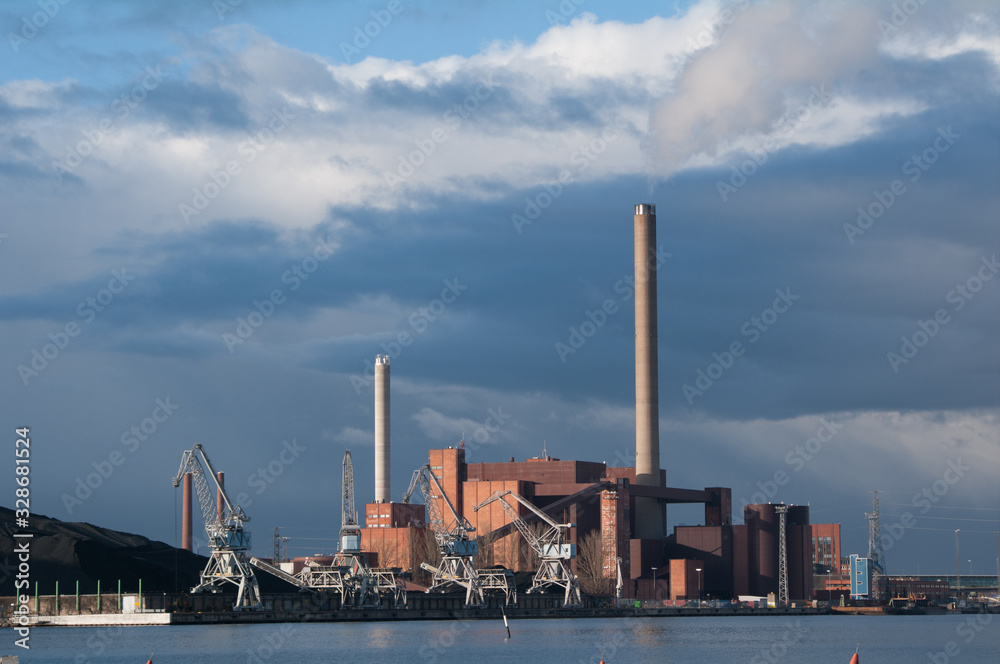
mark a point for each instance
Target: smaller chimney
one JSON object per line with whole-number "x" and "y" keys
{"x": 187, "y": 534}
{"x": 383, "y": 491}
{"x": 220, "y": 504}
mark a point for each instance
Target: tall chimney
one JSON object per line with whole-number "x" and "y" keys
{"x": 187, "y": 534}
{"x": 649, "y": 517}
{"x": 382, "y": 489}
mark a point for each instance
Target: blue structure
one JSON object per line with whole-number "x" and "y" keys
{"x": 861, "y": 577}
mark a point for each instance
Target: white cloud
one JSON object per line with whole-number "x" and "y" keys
{"x": 440, "y": 427}
{"x": 353, "y": 437}
{"x": 846, "y": 453}
{"x": 341, "y": 142}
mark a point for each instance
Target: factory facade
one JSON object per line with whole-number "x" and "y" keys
{"x": 716, "y": 560}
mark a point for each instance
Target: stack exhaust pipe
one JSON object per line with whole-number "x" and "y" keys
{"x": 382, "y": 484}
{"x": 187, "y": 531}
{"x": 650, "y": 516}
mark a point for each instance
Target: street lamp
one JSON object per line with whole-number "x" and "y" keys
{"x": 698, "y": 569}
{"x": 958, "y": 572}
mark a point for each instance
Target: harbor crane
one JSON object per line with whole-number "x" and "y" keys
{"x": 348, "y": 574}
{"x": 458, "y": 551}
{"x": 228, "y": 536}
{"x": 365, "y": 585}
{"x": 550, "y": 545}
{"x": 350, "y": 530}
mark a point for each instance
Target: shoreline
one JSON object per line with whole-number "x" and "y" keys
{"x": 391, "y": 615}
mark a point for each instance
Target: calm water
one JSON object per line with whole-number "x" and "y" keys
{"x": 812, "y": 639}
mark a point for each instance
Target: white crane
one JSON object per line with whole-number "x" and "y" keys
{"x": 458, "y": 551}
{"x": 550, "y": 545}
{"x": 350, "y": 530}
{"x": 228, "y": 538}
{"x": 348, "y": 574}
{"x": 359, "y": 583}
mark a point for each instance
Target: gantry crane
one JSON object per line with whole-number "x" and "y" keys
{"x": 360, "y": 589}
{"x": 458, "y": 551}
{"x": 228, "y": 537}
{"x": 348, "y": 574}
{"x": 550, "y": 545}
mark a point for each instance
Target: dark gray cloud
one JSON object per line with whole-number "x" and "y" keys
{"x": 302, "y": 373}
{"x": 784, "y": 230}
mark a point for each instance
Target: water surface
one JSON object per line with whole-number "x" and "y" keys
{"x": 689, "y": 640}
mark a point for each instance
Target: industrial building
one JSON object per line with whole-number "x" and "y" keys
{"x": 721, "y": 560}
{"x": 611, "y": 521}
{"x": 623, "y": 508}
{"x": 617, "y": 514}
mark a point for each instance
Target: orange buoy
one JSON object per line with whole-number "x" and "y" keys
{"x": 855, "y": 660}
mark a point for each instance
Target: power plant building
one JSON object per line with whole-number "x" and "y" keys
{"x": 720, "y": 560}
{"x": 624, "y": 508}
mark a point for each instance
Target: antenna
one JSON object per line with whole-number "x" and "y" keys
{"x": 876, "y": 553}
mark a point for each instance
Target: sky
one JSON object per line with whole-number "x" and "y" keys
{"x": 216, "y": 214}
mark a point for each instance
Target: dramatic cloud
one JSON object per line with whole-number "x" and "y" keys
{"x": 230, "y": 215}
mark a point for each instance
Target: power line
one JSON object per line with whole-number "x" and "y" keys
{"x": 949, "y": 530}
{"x": 910, "y": 493}
{"x": 948, "y": 518}
{"x": 943, "y": 507}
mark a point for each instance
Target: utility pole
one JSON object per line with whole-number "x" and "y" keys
{"x": 280, "y": 547}
{"x": 782, "y": 511}
{"x": 996, "y": 536}
{"x": 958, "y": 571}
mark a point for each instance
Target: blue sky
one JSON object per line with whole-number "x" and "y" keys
{"x": 211, "y": 224}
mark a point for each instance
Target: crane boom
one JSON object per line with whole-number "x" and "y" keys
{"x": 350, "y": 530}
{"x": 458, "y": 550}
{"x": 550, "y": 545}
{"x": 228, "y": 538}
{"x": 454, "y": 540}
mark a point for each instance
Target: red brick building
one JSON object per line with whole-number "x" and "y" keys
{"x": 732, "y": 560}
{"x": 826, "y": 545}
